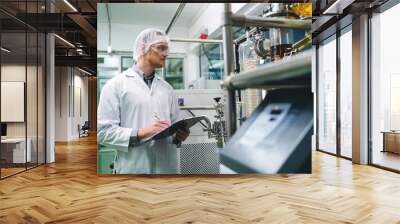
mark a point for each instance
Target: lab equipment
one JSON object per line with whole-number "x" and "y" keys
{"x": 281, "y": 38}
{"x": 249, "y": 61}
{"x": 219, "y": 126}
{"x": 276, "y": 138}
{"x": 199, "y": 158}
{"x": 201, "y": 102}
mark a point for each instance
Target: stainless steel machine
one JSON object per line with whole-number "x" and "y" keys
{"x": 276, "y": 136}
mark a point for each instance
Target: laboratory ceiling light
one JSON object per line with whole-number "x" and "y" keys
{"x": 70, "y": 5}
{"x": 65, "y": 41}
{"x": 5, "y": 50}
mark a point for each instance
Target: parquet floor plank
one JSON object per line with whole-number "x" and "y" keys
{"x": 70, "y": 191}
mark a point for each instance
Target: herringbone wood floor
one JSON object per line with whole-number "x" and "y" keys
{"x": 69, "y": 191}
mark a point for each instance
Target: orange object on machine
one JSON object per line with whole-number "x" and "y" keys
{"x": 302, "y": 9}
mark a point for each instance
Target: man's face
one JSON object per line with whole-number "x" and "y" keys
{"x": 157, "y": 54}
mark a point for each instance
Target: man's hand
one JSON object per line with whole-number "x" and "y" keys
{"x": 182, "y": 134}
{"x": 156, "y": 127}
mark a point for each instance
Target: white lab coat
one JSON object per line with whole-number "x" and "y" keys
{"x": 126, "y": 104}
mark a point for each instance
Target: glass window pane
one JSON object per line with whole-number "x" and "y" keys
{"x": 346, "y": 94}
{"x": 126, "y": 62}
{"x": 174, "y": 72}
{"x": 211, "y": 62}
{"x": 13, "y": 87}
{"x": 385, "y": 89}
{"x": 327, "y": 96}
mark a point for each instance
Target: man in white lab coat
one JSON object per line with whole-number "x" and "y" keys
{"x": 136, "y": 105}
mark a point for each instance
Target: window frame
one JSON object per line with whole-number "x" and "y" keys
{"x": 335, "y": 36}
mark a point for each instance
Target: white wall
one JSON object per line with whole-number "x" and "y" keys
{"x": 123, "y": 36}
{"x": 79, "y": 117}
{"x": 61, "y": 103}
{"x": 82, "y": 81}
{"x": 66, "y": 120}
{"x": 212, "y": 18}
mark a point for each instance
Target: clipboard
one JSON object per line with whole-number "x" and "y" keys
{"x": 185, "y": 123}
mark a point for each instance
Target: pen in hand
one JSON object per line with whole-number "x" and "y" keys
{"x": 158, "y": 120}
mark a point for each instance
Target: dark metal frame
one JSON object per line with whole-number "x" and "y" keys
{"x": 316, "y": 98}
{"x": 369, "y": 78}
{"x": 338, "y": 98}
{"x": 45, "y": 88}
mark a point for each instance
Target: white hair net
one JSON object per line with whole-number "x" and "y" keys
{"x": 145, "y": 39}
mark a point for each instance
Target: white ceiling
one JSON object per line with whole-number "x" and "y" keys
{"x": 159, "y": 14}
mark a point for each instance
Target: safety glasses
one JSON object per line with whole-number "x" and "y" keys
{"x": 160, "y": 48}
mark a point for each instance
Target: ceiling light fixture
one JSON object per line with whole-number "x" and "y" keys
{"x": 86, "y": 72}
{"x": 331, "y": 8}
{"x": 70, "y": 5}
{"x": 64, "y": 40}
{"x": 5, "y": 49}
{"x": 337, "y": 7}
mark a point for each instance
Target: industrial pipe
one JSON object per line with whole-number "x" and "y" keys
{"x": 289, "y": 67}
{"x": 228, "y": 68}
{"x": 241, "y": 20}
